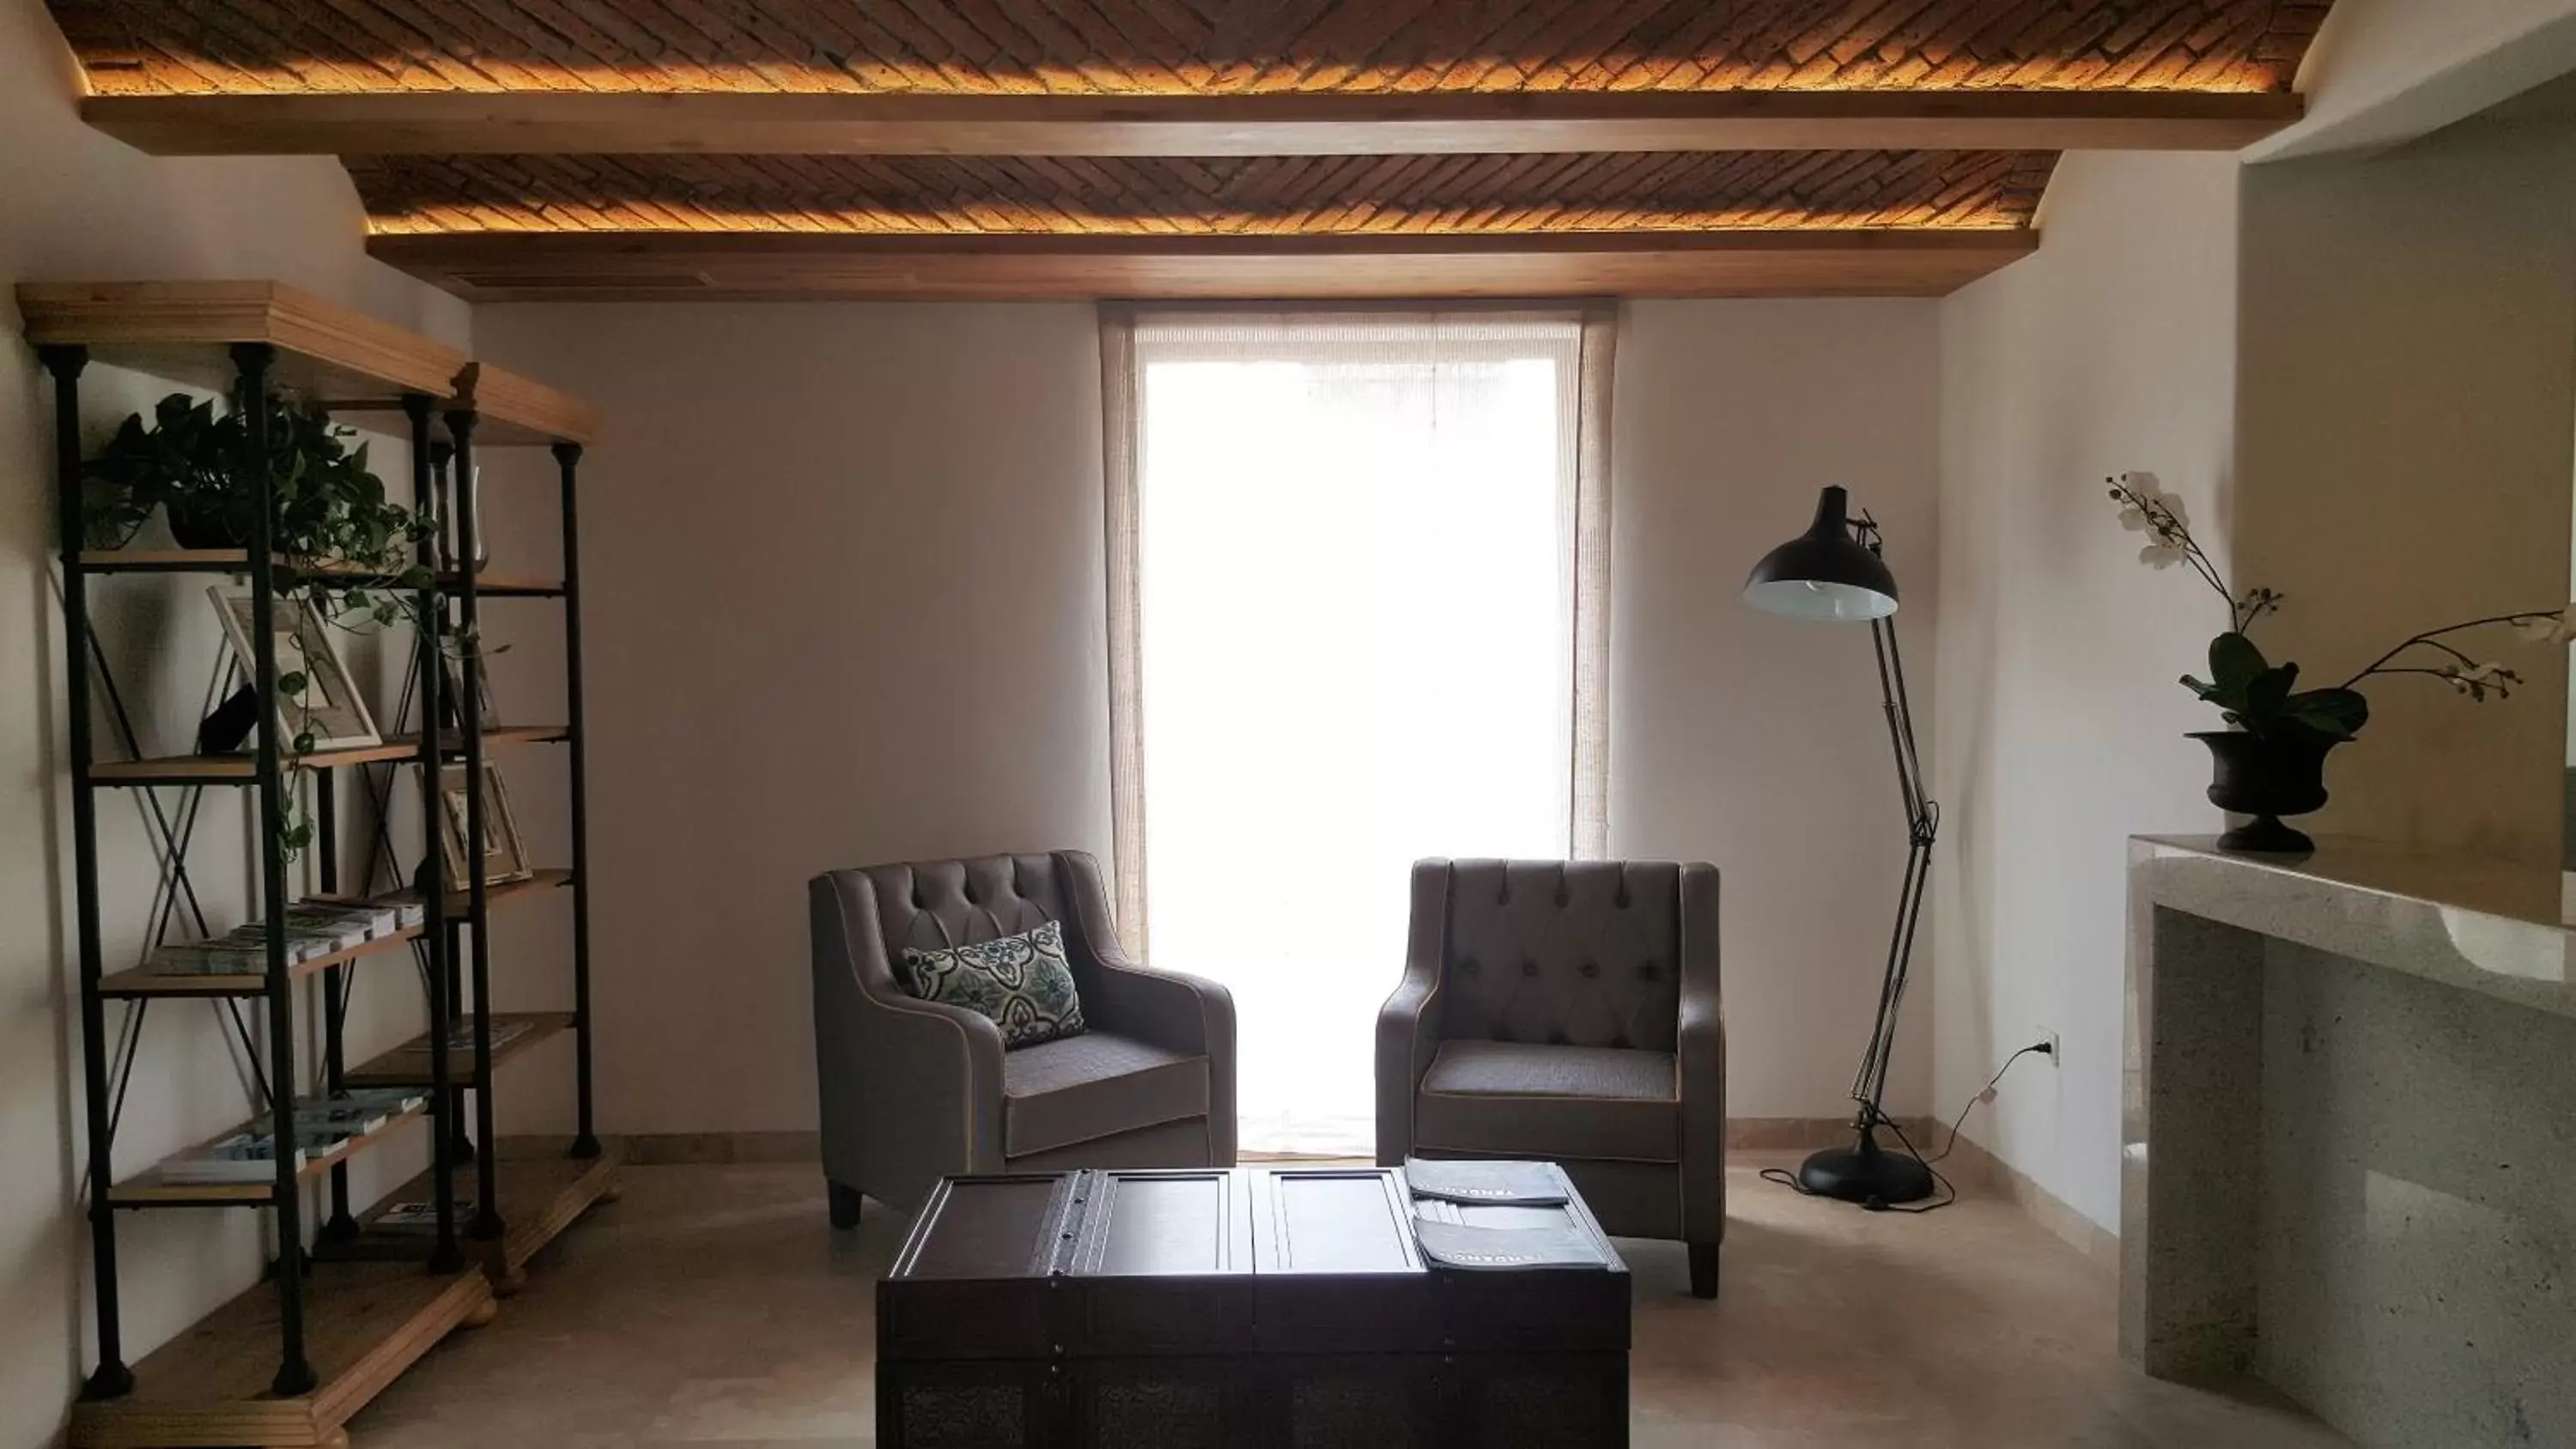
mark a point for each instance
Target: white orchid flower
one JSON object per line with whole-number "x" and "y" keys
{"x": 2548, "y": 628}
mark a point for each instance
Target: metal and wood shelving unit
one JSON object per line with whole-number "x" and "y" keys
{"x": 346, "y": 1306}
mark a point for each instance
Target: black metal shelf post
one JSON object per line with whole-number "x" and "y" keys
{"x": 469, "y": 727}
{"x": 337, "y": 982}
{"x": 251, "y": 361}
{"x": 585, "y": 1142}
{"x": 446, "y": 1255}
{"x": 112, "y": 1378}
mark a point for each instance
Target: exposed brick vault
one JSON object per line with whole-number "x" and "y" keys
{"x": 1226, "y": 195}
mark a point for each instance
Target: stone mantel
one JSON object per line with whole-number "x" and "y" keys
{"x": 2481, "y": 925}
{"x": 2348, "y": 1159}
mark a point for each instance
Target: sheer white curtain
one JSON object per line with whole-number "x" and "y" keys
{"x": 1356, "y": 619}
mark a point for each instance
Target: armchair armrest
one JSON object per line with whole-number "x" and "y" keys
{"x": 910, "y": 1090}
{"x": 1701, "y": 1048}
{"x": 1169, "y": 1009}
{"x": 1408, "y": 1025}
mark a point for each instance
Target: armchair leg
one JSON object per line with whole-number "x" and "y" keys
{"x": 1703, "y": 1270}
{"x": 845, "y": 1204}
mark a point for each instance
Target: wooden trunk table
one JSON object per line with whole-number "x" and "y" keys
{"x": 1256, "y": 1306}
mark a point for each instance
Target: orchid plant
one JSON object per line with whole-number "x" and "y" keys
{"x": 2261, "y": 697}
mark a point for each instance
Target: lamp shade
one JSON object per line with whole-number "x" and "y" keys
{"x": 1824, "y": 573}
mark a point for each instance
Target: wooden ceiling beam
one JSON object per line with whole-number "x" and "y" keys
{"x": 502, "y": 267}
{"x": 452, "y": 123}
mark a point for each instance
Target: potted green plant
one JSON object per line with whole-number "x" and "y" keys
{"x": 196, "y": 466}
{"x": 2270, "y": 761}
{"x": 342, "y": 548}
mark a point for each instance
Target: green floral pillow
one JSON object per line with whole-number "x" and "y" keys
{"x": 1022, "y": 983}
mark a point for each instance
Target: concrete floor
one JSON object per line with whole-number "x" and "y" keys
{"x": 712, "y": 1306}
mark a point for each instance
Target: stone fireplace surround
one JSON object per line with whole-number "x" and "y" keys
{"x": 2349, "y": 1156}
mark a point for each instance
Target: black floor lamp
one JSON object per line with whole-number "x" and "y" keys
{"x": 1834, "y": 572}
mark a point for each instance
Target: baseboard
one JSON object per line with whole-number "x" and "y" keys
{"x": 1969, "y": 1161}
{"x": 1793, "y": 1134}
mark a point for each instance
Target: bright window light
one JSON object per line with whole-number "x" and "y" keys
{"x": 1355, "y": 567}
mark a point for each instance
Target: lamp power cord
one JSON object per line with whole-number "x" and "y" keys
{"x": 1949, "y": 1193}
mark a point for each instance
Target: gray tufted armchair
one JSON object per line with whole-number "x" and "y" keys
{"x": 1568, "y": 1010}
{"x": 913, "y": 1091}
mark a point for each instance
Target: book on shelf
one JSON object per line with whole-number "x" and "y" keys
{"x": 351, "y": 921}
{"x": 356, "y": 1112}
{"x": 242, "y": 1157}
{"x": 250, "y": 1156}
{"x": 408, "y": 912}
{"x": 460, "y": 1036}
{"x": 316, "y": 926}
{"x": 322, "y": 1125}
{"x": 421, "y": 1215}
{"x": 242, "y": 950}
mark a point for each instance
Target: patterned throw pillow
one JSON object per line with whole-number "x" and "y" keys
{"x": 1022, "y": 983}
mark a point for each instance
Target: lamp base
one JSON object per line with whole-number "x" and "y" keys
{"x": 1865, "y": 1175}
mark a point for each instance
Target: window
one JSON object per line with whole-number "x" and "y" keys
{"x": 1356, "y": 621}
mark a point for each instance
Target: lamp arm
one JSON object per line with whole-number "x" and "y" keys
{"x": 1923, "y": 823}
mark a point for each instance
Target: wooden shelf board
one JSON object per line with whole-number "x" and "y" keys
{"x": 504, "y": 586}
{"x": 540, "y": 1193}
{"x": 237, "y": 561}
{"x": 199, "y": 561}
{"x": 405, "y": 1067}
{"x": 458, "y": 901}
{"x": 144, "y": 981}
{"x": 150, "y": 1189}
{"x": 179, "y": 330}
{"x": 245, "y": 768}
{"x": 364, "y": 1324}
{"x": 511, "y": 410}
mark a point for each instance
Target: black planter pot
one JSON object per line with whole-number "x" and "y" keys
{"x": 2267, "y": 779}
{"x": 202, "y": 528}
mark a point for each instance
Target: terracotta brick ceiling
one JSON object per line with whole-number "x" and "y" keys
{"x": 1244, "y": 124}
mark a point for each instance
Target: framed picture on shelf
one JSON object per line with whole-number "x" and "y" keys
{"x": 330, "y": 708}
{"x": 453, "y": 690}
{"x": 503, "y": 857}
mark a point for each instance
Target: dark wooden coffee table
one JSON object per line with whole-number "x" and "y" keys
{"x": 1258, "y": 1306}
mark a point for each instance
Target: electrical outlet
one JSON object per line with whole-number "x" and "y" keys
{"x": 2056, "y": 1048}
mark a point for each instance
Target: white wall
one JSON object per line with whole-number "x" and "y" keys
{"x": 845, "y": 599}
{"x": 2060, "y": 724}
{"x": 77, "y": 206}
{"x": 1757, "y": 742}
{"x": 845, "y": 604}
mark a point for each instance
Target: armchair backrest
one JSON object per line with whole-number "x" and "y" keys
{"x": 932, "y": 904}
{"x": 1566, "y": 953}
